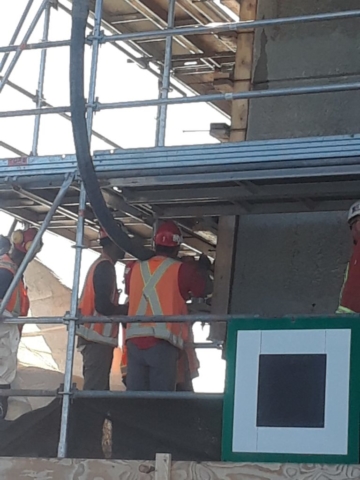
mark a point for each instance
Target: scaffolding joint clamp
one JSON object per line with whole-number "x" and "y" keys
{"x": 71, "y": 318}
{"x": 60, "y": 391}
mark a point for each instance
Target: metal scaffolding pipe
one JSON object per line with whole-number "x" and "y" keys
{"x": 12, "y": 149}
{"x": 144, "y": 395}
{"x": 203, "y": 318}
{"x": 62, "y": 449}
{"x": 197, "y": 30}
{"x": 29, "y": 393}
{"x": 35, "y": 46}
{"x": 217, "y": 97}
{"x": 16, "y": 32}
{"x": 19, "y": 48}
{"x": 165, "y": 84}
{"x": 40, "y": 89}
{"x": 32, "y": 250}
{"x": 63, "y": 115}
{"x": 230, "y": 27}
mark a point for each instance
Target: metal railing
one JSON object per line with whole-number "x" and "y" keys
{"x": 95, "y": 40}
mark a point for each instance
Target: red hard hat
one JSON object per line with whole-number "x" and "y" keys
{"x": 168, "y": 235}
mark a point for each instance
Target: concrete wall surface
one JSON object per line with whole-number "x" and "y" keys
{"x": 290, "y": 263}
{"x": 302, "y": 55}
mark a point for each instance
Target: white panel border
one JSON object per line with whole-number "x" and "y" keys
{"x": 330, "y": 440}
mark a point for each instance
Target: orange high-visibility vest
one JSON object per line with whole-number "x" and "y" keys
{"x": 19, "y": 304}
{"x": 154, "y": 290}
{"x": 97, "y": 332}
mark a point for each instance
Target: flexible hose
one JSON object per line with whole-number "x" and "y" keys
{"x": 80, "y": 11}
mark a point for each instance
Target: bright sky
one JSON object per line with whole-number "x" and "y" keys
{"x": 118, "y": 80}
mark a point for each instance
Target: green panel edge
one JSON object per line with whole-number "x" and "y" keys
{"x": 311, "y": 323}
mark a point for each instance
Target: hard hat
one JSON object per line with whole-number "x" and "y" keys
{"x": 354, "y": 211}
{"x": 168, "y": 235}
{"x": 23, "y": 239}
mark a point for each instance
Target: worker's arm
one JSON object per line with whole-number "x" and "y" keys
{"x": 192, "y": 280}
{"x": 104, "y": 279}
{"x": 6, "y": 277}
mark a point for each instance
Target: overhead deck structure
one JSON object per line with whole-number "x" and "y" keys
{"x": 196, "y": 185}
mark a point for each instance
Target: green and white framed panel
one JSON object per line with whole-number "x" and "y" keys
{"x": 292, "y": 390}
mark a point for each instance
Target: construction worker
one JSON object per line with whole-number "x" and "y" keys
{"x": 160, "y": 286}
{"x": 349, "y": 296}
{"x": 12, "y": 255}
{"x": 97, "y": 341}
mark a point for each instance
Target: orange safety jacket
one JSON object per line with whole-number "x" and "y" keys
{"x": 350, "y": 292}
{"x": 154, "y": 290}
{"x": 19, "y": 303}
{"x": 97, "y": 332}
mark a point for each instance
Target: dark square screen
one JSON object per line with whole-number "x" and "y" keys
{"x": 291, "y": 391}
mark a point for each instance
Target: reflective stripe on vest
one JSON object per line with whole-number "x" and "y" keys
{"x": 149, "y": 295}
{"x": 150, "y": 298}
{"x": 14, "y": 304}
{"x": 344, "y": 310}
{"x": 106, "y": 333}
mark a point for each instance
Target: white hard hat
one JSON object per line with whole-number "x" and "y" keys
{"x": 354, "y": 211}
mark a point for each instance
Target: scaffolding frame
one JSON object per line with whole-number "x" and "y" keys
{"x": 95, "y": 39}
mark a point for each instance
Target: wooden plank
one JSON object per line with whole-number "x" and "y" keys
{"x": 162, "y": 466}
{"x": 223, "y": 273}
{"x": 243, "y": 72}
{"x": 74, "y": 469}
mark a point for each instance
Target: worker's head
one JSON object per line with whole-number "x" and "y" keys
{"x": 109, "y": 247}
{"x": 168, "y": 239}
{"x": 354, "y": 221}
{"x": 21, "y": 241}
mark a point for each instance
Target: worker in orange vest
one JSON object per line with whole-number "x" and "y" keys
{"x": 160, "y": 286}
{"x": 18, "y": 305}
{"x": 97, "y": 341}
{"x": 349, "y": 296}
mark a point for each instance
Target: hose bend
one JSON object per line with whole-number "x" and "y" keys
{"x": 80, "y": 13}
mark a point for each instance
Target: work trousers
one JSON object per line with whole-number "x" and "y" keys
{"x": 97, "y": 361}
{"x": 152, "y": 369}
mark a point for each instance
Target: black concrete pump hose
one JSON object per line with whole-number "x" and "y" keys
{"x": 80, "y": 13}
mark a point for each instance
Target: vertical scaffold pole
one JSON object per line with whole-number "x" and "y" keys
{"x": 40, "y": 89}
{"x": 161, "y": 130}
{"x": 26, "y": 37}
{"x": 62, "y": 450}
